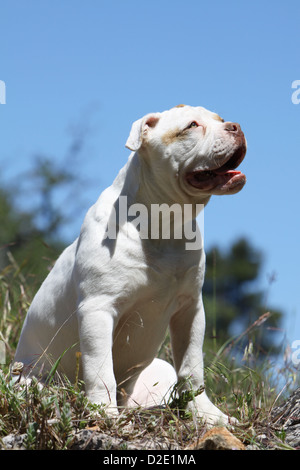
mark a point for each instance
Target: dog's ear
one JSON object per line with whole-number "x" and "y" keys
{"x": 139, "y": 130}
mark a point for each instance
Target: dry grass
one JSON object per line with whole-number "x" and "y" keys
{"x": 51, "y": 417}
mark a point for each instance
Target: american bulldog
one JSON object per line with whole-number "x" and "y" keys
{"x": 113, "y": 293}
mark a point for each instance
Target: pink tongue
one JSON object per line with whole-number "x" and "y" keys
{"x": 226, "y": 172}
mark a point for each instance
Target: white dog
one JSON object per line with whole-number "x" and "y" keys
{"x": 112, "y": 294}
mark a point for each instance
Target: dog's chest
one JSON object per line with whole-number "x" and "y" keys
{"x": 156, "y": 290}
{"x": 156, "y": 281}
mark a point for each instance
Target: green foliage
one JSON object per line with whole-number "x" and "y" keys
{"x": 233, "y": 300}
{"x": 50, "y": 416}
{"x": 179, "y": 399}
{"x": 44, "y": 414}
{"x": 20, "y": 237}
{"x": 31, "y": 226}
{"x": 49, "y": 179}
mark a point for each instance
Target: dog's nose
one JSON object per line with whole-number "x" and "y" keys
{"x": 232, "y": 127}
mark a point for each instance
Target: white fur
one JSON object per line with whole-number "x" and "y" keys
{"x": 113, "y": 299}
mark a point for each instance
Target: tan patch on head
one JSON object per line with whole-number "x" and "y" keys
{"x": 170, "y": 136}
{"x": 180, "y": 106}
{"x": 217, "y": 118}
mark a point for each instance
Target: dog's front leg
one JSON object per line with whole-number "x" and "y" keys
{"x": 96, "y": 337}
{"x": 187, "y": 329}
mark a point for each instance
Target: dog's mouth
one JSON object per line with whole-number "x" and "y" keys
{"x": 223, "y": 179}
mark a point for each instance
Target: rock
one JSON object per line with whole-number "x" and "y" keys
{"x": 93, "y": 439}
{"x": 89, "y": 439}
{"x": 293, "y": 436}
{"x": 287, "y": 417}
{"x": 217, "y": 439}
{"x": 13, "y": 442}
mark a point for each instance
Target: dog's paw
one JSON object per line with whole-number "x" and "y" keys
{"x": 98, "y": 411}
{"x": 214, "y": 417}
{"x": 209, "y": 414}
{"x": 100, "y": 406}
{"x": 111, "y": 411}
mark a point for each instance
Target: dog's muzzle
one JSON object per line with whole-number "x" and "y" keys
{"x": 223, "y": 179}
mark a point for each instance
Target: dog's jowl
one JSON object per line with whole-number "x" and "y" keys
{"x": 113, "y": 293}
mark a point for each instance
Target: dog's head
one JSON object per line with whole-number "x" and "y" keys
{"x": 193, "y": 145}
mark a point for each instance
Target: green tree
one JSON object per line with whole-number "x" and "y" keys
{"x": 23, "y": 242}
{"x": 235, "y": 305}
{"x": 31, "y": 227}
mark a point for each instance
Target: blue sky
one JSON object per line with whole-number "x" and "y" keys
{"x": 105, "y": 64}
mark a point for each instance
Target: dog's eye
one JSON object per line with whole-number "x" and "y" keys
{"x": 193, "y": 124}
